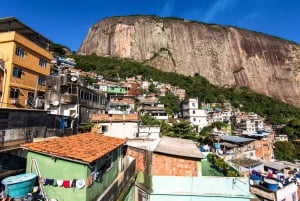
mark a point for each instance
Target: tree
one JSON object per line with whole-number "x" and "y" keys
{"x": 148, "y": 120}
{"x": 182, "y": 129}
{"x": 185, "y": 130}
{"x": 166, "y": 129}
{"x": 292, "y": 129}
{"x": 57, "y": 49}
{"x": 284, "y": 151}
{"x": 171, "y": 103}
{"x": 152, "y": 89}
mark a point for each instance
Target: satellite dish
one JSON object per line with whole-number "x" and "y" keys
{"x": 73, "y": 79}
{"x": 55, "y": 103}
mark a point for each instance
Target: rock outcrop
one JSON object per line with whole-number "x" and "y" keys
{"x": 226, "y": 56}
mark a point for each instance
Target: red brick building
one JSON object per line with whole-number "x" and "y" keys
{"x": 166, "y": 157}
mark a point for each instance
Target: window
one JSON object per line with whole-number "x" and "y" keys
{"x": 43, "y": 63}
{"x": 20, "y": 52}
{"x": 17, "y": 72}
{"x": 30, "y": 98}
{"x": 108, "y": 162}
{"x": 104, "y": 129}
{"x": 41, "y": 80}
{"x": 14, "y": 93}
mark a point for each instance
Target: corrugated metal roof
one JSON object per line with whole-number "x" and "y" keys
{"x": 179, "y": 147}
{"x": 236, "y": 139}
{"x": 229, "y": 145}
{"x": 274, "y": 165}
{"x": 85, "y": 147}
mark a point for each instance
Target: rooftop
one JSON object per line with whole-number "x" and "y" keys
{"x": 274, "y": 165}
{"x": 236, "y": 139}
{"x": 256, "y": 133}
{"x": 114, "y": 117}
{"x": 13, "y": 24}
{"x": 179, "y": 147}
{"x": 84, "y": 147}
{"x": 246, "y": 162}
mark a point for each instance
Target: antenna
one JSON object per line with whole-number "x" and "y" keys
{"x": 73, "y": 79}
{"x": 55, "y": 103}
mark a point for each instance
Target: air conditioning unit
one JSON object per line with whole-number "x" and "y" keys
{"x": 15, "y": 101}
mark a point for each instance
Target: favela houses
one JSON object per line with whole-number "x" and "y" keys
{"x": 88, "y": 127}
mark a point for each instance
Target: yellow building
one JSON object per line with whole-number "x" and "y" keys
{"x": 24, "y": 65}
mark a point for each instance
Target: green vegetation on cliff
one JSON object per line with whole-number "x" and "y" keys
{"x": 275, "y": 111}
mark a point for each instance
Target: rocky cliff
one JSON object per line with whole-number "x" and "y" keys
{"x": 226, "y": 56}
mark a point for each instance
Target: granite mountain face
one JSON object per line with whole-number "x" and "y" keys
{"x": 226, "y": 56}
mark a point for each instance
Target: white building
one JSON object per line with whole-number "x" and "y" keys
{"x": 190, "y": 111}
{"x": 252, "y": 123}
{"x": 116, "y": 125}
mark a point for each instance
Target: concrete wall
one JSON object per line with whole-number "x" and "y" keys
{"x": 120, "y": 129}
{"x": 19, "y": 125}
{"x": 166, "y": 188}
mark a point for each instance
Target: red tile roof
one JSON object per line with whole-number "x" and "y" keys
{"x": 86, "y": 147}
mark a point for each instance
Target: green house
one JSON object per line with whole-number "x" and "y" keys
{"x": 78, "y": 167}
{"x": 116, "y": 90}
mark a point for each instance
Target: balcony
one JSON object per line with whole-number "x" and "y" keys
{"x": 69, "y": 98}
{"x": 122, "y": 183}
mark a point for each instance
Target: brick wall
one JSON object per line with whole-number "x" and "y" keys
{"x": 157, "y": 164}
{"x": 169, "y": 165}
{"x": 263, "y": 149}
{"x": 139, "y": 155}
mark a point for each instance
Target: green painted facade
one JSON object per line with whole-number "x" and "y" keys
{"x": 200, "y": 188}
{"x": 116, "y": 90}
{"x": 59, "y": 169}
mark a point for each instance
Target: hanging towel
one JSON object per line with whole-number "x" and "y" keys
{"x": 54, "y": 182}
{"x": 80, "y": 183}
{"x": 59, "y": 182}
{"x": 66, "y": 184}
{"x": 73, "y": 183}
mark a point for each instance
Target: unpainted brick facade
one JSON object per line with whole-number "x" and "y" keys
{"x": 170, "y": 165}
{"x": 163, "y": 164}
{"x": 139, "y": 155}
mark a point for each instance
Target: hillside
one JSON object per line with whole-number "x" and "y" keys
{"x": 225, "y": 56}
{"x": 275, "y": 111}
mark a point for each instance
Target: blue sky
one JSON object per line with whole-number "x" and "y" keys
{"x": 67, "y": 22}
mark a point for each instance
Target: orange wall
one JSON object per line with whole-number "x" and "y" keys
{"x": 29, "y": 64}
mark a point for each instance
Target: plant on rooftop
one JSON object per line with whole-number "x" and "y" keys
{"x": 149, "y": 120}
{"x": 86, "y": 128}
{"x": 222, "y": 166}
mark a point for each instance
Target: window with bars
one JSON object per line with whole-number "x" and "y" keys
{"x": 20, "y": 52}
{"x": 17, "y": 72}
{"x": 14, "y": 93}
{"x": 42, "y": 80}
{"x": 43, "y": 63}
